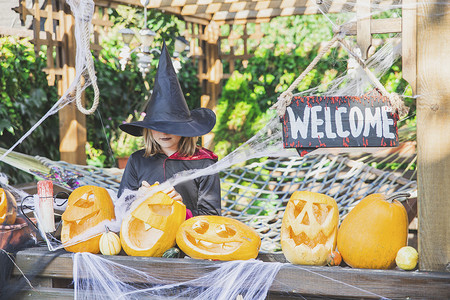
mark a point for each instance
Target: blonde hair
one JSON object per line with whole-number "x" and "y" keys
{"x": 186, "y": 146}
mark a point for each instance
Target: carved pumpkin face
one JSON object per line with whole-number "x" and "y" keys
{"x": 150, "y": 229}
{"x": 309, "y": 228}
{"x": 8, "y": 208}
{"x": 87, "y": 206}
{"x": 216, "y": 237}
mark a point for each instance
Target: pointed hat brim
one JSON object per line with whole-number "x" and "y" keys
{"x": 201, "y": 121}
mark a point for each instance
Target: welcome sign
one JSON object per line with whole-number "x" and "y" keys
{"x": 334, "y": 122}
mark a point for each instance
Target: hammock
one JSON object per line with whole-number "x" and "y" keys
{"x": 257, "y": 194}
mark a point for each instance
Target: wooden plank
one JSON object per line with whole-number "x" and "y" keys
{"x": 409, "y": 51}
{"x": 47, "y": 294}
{"x": 291, "y": 279}
{"x": 377, "y": 26}
{"x": 363, "y": 35}
{"x": 433, "y": 134}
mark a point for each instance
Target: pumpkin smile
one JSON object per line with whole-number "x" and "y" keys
{"x": 141, "y": 235}
{"x": 220, "y": 248}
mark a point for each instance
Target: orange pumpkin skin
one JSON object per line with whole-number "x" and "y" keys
{"x": 334, "y": 259}
{"x": 372, "y": 233}
{"x": 151, "y": 228}
{"x": 218, "y": 238}
{"x": 8, "y": 208}
{"x": 309, "y": 228}
{"x": 87, "y": 206}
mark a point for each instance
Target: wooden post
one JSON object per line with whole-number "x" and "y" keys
{"x": 72, "y": 123}
{"x": 433, "y": 134}
{"x": 213, "y": 76}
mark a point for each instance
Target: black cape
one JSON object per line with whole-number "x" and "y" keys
{"x": 201, "y": 195}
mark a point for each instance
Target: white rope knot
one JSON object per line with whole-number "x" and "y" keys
{"x": 284, "y": 100}
{"x": 398, "y": 105}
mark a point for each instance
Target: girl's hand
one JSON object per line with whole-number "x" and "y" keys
{"x": 171, "y": 192}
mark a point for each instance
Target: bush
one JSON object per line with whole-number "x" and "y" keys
{"x": 25, "y": 98}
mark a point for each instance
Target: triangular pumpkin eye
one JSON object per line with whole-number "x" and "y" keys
{"x": 299, "y": 205}
{"x": 200, "y": 226}
{"x": 161, "y": 210}
{"x": 225, "y": 231}
{"x": 321, "y": 212}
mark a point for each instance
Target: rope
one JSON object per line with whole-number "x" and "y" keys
{"x": 395, "y": 100}
{"x": 91, "y": 73}
{"x": 286, "y": 97}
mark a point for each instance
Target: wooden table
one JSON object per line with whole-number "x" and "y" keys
{"x": 292, "y": 282}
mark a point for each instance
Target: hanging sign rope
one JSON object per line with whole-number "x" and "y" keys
{"x": 313, "y": 122}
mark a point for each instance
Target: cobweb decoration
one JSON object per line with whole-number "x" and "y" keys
{"x": 98, "y": 278}
{"x": 83, "y": 11}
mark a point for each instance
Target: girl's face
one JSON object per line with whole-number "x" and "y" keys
{"x": 168, "y": 142}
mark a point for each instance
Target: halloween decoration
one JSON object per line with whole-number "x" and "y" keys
{"x": 334, "y": 259}
{"x": 407, "y": 258}
{"x": 218, "y": 238}
{"x": 373, "y": 232}
{"x": 8, "y": 208}
{"x": 172, "y": 253}
{"x": 109, "y": 243}
{"x": 309, "y": 228}
{"x": 46, "y": 211}
{"x": 151, "y": 228}
{"x": 87, "y": 206}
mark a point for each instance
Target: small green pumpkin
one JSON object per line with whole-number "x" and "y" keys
{"x": 172, "y": 253}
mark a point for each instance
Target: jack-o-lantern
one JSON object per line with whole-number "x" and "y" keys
{"x": 8, "y": 208}
{"x": 219, "y": 238}
{"x": 151, "y": 228}
{"x": 87, "y": 206}
{"x": 309, "y": 228}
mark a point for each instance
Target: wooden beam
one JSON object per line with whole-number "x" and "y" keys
{"x": 409, "y": 49}
{"x": 377, "y": 26}
{"x": 433, "y": 134}
{"x": 72, "y": 123}
{"x": 363, "y": 35}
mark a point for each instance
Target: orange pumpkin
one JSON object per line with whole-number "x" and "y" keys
{"x": 309, "y": 228}
{"x": 218, "y": 238}
{"x": 373, "y": 232}
{"x": 334, "y": 259}
{"x": 150, "y": 229}
{"x": 87, "y": 206}
{"x": 8, "y": 208}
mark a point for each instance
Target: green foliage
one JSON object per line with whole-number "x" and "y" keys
{"x": 127, "y": 92}
{"x": 250, "y": 92}
{"x": 25, "y": 98}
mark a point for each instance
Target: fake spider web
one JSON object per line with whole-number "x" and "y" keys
{"x": 257, "y": 193}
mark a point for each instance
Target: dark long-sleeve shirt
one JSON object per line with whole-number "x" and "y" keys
{"x": 201, "y": 195}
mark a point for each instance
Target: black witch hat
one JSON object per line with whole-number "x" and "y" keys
{"x": 167, "y": 110}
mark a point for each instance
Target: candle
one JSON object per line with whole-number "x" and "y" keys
{"x": 46, "y": 213}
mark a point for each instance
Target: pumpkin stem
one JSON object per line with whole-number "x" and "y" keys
{"x": 107, "y": 229}
{"x": 396, "y": 196}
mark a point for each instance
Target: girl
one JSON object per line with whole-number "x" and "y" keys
{"x": 170, "y": 134}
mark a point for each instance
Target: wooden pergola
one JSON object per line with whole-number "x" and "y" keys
{"x": 425, "y": 54}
